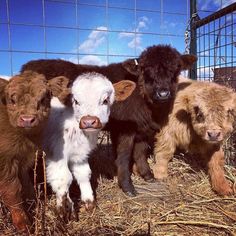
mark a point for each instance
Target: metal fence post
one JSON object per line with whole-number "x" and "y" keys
{"x": 193, "y": 37}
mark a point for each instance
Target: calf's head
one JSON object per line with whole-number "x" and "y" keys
{"x": 92, "y": 96}
{"x": 212, "y": 111}
{"x": 158, "y": 68}
{"x": 27, "y": 97}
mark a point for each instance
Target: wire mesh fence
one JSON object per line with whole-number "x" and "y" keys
{"x": 216, "y": 46}
{"x": 85, "y": 31}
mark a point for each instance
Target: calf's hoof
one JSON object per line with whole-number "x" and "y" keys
{"x": 149, "y": 178}
{"x": 66, "y": 209}
{"x": 131, "y": 194}
{"x": 128, "y": 188}
{"x": 90, "y": 205}
{"x": 224, "y": 188}
{"x": 160, "y": 173}
{"x": 20, "y": 221}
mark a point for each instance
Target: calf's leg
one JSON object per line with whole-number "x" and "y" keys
{"x": 60, "y": 179}
{"x": 11, "y": 195}
{"x": 163, "y": 151}
{"x": 140, "y": 156}
{"x": 82, "y": 175}
{"x": 216, "y": 172}
{"x": 124, "y": 148}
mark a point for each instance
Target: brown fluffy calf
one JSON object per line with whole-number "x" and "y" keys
{"x": 203, "y": 115}
{"x": 24, "y": 108}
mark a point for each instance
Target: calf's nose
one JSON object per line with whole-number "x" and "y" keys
{"x": 162, "y": 94}
{"x": 90, "y": 122}
{"x": 27, "y": 120}
{"x": 213, "y": 135}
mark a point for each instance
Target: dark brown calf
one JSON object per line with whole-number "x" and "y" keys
{"x": 24, "y": 108}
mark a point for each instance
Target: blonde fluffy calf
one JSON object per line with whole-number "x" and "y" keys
{"x": 203, "y": 115}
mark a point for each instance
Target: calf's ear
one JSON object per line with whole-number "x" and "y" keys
{"x": 3, "y": 84}
{"x": 187, "y": 61}
{"x": 60, "y": 88}
{"x": 124, "y": 89}
{"x": 131, "y": 65}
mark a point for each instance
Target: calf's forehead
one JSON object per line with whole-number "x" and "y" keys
{"x": 21, "y": 86}
{"x": 213, "y": 101}
{"x": 93, "y": 88}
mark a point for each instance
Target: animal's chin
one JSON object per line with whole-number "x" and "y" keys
{"x": 161, "y": 100}
{"x": 213, "y": 141}
{"x": 27, "y": 129}
{"x": 91, "y": 130}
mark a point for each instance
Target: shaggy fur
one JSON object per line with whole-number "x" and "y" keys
{"x": 135, "y": 120}
{"x": 23, "y": 111}
{"x": 203, "y": 115}
{"x": 72, "y": 132}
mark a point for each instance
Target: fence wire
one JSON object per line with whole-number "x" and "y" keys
{"x": 43, "y": 48}
{"x": 216, "y": 46}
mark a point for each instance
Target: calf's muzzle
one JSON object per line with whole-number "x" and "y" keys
{"x": 27, "y": 121}
{"x": 90, "y": 122}
{"x": 162, "y": 95}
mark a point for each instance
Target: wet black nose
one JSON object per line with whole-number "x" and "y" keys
{"x": 162, "y": 94}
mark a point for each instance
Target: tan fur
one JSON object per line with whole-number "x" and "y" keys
{"x": 203, "y": 115}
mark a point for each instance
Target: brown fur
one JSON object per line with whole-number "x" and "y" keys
{"x": 203, "y": 115}
{"x": 28, "y": 93}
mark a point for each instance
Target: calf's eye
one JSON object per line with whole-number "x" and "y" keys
{"x": 199, "y": 115}
{"x": 105, "y": 101}
{"x": 76, "y": 102}
{"x": 12, "y": 101}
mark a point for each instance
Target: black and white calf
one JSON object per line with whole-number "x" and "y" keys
{"x": 72, "y": 132}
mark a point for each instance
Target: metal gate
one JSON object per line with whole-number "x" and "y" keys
{"x": 213, "y": 40}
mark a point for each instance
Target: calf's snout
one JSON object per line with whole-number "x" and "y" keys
{"x": 162, "y": 94}
{"x": 87, "y": 122}
{"x": 214, "y": 135}
{"x": 27, "y": 121}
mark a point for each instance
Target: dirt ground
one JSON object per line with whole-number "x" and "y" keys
{"x": 183, "y": 205}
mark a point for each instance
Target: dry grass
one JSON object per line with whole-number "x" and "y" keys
{"x": 184, "y": 205}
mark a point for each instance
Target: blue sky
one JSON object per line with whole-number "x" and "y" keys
{"x": 105, "y": 34}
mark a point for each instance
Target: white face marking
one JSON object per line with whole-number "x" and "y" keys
{"x": 93, "y": 95}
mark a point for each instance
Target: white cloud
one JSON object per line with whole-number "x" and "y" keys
{"x": 135, "y": 40}
{"x": 126, "y": 35}
{"x": 207, "y": 4}
{"x": 143, "y": 23}
{"x": 88, "y": 60}
{"x": 205, "y": 73}
{"x": 95, "y": 39}
{"x": 92, "y": 60}
{"x": 6, "y": 77}
{"x": 222, "y": 4}
{"x": 205, "y": 53}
